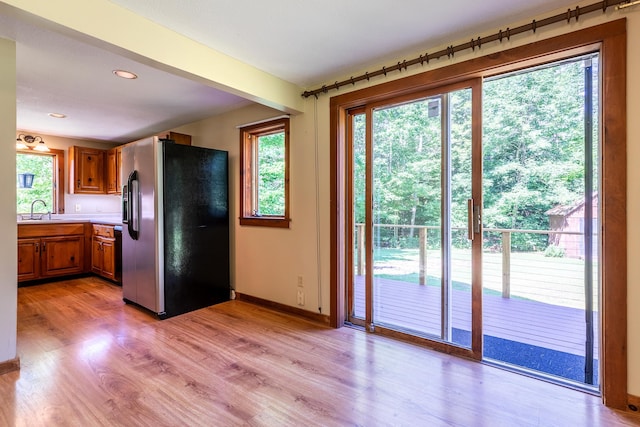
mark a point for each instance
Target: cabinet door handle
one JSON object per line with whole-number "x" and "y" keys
{"x": 37, "y": 247}
{"x": 78, "y": 183}
{"x": 44, "y": 246}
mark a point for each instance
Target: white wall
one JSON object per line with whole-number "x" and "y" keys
{"x": 87, "y": 203}
{"x": 266, "y": 262}
{"x": 8, "y": 254}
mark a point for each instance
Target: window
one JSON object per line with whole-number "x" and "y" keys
{"x": 47, "y": 180}
{"x": 264, "y": 169}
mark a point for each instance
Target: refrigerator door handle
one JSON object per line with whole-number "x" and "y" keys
{"x": 125, "y": 203}
{"x": 133, "y": 208}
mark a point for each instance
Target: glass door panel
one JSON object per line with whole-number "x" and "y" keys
{"x": 356, "y": 298}
{"x": 540, "y": 144}
{"x": 460, "y": 177}
{"x": 407, "y": 202}
{"x": 421, "y": 180}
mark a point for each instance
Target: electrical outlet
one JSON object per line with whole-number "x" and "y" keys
{"x": 78, "y": 207}
{"x": 300, "y": 297}
{"x": 299, "y": 280}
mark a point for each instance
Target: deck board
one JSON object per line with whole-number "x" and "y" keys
{"x": 417, "y": 307}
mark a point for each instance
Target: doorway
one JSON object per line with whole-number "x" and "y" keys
{"x": 445, "y": 225}
{"x": 609, "y": 40}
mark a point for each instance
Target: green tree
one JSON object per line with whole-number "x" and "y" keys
{"x": 533, "y": 156}
{"x": 533, "y": 143}
{"x": 271, "y": 167}
{"x": 42, "y": 167}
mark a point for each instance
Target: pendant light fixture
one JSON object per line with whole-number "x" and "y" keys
{"x": 24, "y": 142}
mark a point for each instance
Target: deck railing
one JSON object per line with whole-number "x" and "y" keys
{"x": 423, "y": 245}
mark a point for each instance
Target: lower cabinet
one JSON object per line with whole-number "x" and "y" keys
{"x": 48, "y": 251}
{"x": 104, "y": 252}
{"x": 28, "y": 259}
{"x": 60, "y": 256}
{"x": 53, "y": 250}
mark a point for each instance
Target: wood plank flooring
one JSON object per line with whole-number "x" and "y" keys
{"x": 88, "y": 359}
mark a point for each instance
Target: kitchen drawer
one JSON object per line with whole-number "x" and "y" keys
{"x": 41, "y": 230}
{"x": 103, "y": 231}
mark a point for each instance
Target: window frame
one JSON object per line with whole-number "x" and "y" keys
{"x": 249, "y": 136}
{"x": 58, "y": 176}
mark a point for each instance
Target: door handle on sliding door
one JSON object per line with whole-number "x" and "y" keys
{"x": 473, "y": 219}
{"x": 470, "y": 228}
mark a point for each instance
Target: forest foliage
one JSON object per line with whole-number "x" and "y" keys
{"x": 533, "y": 154}
{"x": 42, "y": 167}
{"x": 271, "y": 175}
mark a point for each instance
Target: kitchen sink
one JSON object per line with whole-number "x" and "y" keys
{"x": 37, "y": 217}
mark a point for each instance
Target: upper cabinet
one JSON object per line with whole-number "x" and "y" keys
{"x": 178, "y": 138}
{"x": 86, "y": 170}
{"x": 96, "y": 171}
{"x": 114, "y": 175}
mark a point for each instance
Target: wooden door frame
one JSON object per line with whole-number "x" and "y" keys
{"x": 610, "y": 39}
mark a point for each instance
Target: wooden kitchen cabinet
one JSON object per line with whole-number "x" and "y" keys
{"x": 119, "y": 169}
{"x": 46, "y": 250}
{"x": 86, "y": 170}
{"x": 61, "y": 256}
{"x": 103, "y": 251}
{"x": 178, "y": 138}
{"x": 28, "y": 259}
{"x": 114, "y": 174}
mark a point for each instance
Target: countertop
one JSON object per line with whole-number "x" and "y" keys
{"x": 111, "y": 219}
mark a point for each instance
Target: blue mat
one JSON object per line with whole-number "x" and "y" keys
{"x": 561, "y": 364}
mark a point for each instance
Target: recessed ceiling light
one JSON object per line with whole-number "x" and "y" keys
{"x": 125, "y": 74}
{"x": 57, "y": 115}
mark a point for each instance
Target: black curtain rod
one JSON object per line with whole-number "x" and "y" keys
{"x": 450, "y": 51}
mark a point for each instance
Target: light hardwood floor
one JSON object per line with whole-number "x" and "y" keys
{"x": 88, "y": 359}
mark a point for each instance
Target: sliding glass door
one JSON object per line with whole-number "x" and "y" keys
{"x": 434, "y": 205}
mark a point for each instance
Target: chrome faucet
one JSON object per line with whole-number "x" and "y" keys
{"x": 34, "y": 202}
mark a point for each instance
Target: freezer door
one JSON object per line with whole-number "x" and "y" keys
{"x": 196, "y": 228}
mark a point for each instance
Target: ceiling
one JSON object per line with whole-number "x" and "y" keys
{"x": 305, "y": 43}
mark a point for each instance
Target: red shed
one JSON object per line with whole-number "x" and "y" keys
{"x": 570, "y": 218}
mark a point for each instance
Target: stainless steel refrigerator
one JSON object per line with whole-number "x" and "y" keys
{"x": 175, "y": 238}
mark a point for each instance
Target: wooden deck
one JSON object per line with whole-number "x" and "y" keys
{"x": 417, "y": 307}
